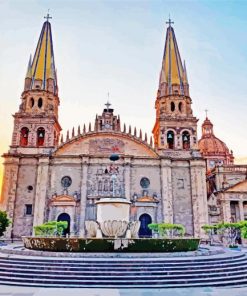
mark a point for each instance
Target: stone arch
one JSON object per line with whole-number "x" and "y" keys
{"x": 65, "y": 217}
{"x": 24, "y": 136}
{"x": 40, "y": 103}
{"x": 170, "y": 139}
{"x": 180, "y": 106}
{"x": 31, "y": 102}
{"x": 144, "y": 231}
{"x": 40, "y": 136}
{"x": 173, "y": 106}
{"x": 186, "y": 139}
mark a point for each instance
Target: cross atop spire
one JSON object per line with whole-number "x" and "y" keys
{"x": 108, "y": 104}
{"x": 170, "y": 22}
{"x": 47, "y": 17}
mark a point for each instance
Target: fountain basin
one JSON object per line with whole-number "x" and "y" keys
{"x": 112, "y": 208}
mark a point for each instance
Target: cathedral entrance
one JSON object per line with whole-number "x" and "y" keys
{"x": 65, "y": 217}
{"x": 144, "y": 231}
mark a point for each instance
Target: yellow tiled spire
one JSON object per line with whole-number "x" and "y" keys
{"x": 43, "y": 65}
{"x": 172, "y": 71}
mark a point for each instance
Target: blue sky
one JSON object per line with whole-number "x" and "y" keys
{"x": 117, "y": 46}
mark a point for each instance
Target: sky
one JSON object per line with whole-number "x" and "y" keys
{"x": 117, "y": 47}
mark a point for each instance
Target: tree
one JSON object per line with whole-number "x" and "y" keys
{"x": 4, "y": 222}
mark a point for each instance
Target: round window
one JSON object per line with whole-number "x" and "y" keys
{"x": 66, "y": 181}
{"x": 144, "y": 182}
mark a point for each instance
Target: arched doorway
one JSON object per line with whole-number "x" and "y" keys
{"x": 65, "y": 217}
{"x": 144, "y": 231}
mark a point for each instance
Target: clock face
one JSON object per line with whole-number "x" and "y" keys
{"x": 107, "y": 125}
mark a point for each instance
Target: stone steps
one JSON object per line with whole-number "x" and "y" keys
{"x": 124, "y": 272}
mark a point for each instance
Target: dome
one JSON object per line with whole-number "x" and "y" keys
{"x": 212, "y": 147}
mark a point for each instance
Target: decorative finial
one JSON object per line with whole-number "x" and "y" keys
{"x": 108, "y": 104}
{"x": 206, "y": 111}
{"x": 169, "y": 21}
{"x": 47, "y": 17}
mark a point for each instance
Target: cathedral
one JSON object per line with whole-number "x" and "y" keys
{"x": 51, "y": 177}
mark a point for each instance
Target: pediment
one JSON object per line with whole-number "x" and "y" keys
{"x": 147, "y": 199}
{"x": 104, "y": 144}
{"x": 62, "y": 200}
{"x": 239, "y": 187}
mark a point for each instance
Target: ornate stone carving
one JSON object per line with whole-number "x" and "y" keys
{"x": 113, "y": 228}
{"x": 106, "y": 146}
{"x": 134, "y": 228}
{"x": 91, "y": 228}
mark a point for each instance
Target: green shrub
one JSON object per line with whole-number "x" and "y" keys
{"x": 167, "y": 229}
{"x": 61, "y": 244}
{"x": 4, "y": 222}
{"x": 51, "y": 228}
{"x": 228, "y": 230}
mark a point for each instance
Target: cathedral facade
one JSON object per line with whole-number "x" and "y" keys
{"x": 48, "y": 177}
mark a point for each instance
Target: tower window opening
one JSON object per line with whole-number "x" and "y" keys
{"x": 40, "y": 136}
{"x": 172, "y": 106}
{"x": 28, "y": 209}
{"x": 170, "y": 140}
{"x": 40, "y": 103}
{"x": 186, "y": 140}
{"x": 31, "y": 102}
{"x": 180, "y": 107}
{"x": 24, "y": 136}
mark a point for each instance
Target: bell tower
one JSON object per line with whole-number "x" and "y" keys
{"x": 175, "y": 127}
{"x": 36, "y": 123}
{"x": 107, "y": 121}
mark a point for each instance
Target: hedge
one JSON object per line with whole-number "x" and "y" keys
{"x": 61, "y": 244}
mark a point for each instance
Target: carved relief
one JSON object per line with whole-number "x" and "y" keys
{"x": 100, "y": 183}
{"x": 106, "y": 146}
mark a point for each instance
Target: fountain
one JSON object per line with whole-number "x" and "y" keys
{"x": 113, "y": 214}
{"x": 112, "y": 231}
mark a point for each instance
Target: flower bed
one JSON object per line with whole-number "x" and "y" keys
{"x": 61, "y": 244}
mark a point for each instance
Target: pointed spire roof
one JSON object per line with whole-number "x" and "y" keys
{"x": 185, "y": 77}
{"x": 172, "y": 70}
{"x": 29, "y": 68}
{"x": 43, "y": 64}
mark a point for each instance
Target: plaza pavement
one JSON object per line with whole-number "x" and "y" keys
{"x": 29, "y": 291}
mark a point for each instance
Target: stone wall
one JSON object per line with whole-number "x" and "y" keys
{"x": 181, "y": 189}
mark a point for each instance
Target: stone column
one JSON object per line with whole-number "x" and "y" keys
{"x": 84, "y": 172}
{"x": 241, "y": 210}
{"x": 127, "y": 179}
{"x": 199, "y": 196}
{"x": 9, "y": 188}
{"x": 41, "y": 191}
{"x": 226, "y": 209}
{"x": 166, "y": 190}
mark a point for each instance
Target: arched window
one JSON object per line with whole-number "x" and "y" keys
{"x": 180, "y": 107}
{"x": 31, "y": 103}
{"x": 172, "y": 106}
{"x": 106, "y": 185}
{"x": 40, "y": 103}
{"x": 100, "y": 186}
{"x": 111, "y": 186}
{"x": 24, "y": 136}
{"x": 55, "y": 139}
{"x": 170, "y": 140}
{"x": 40, "y": 136}
{"x": 186, "y": 140}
